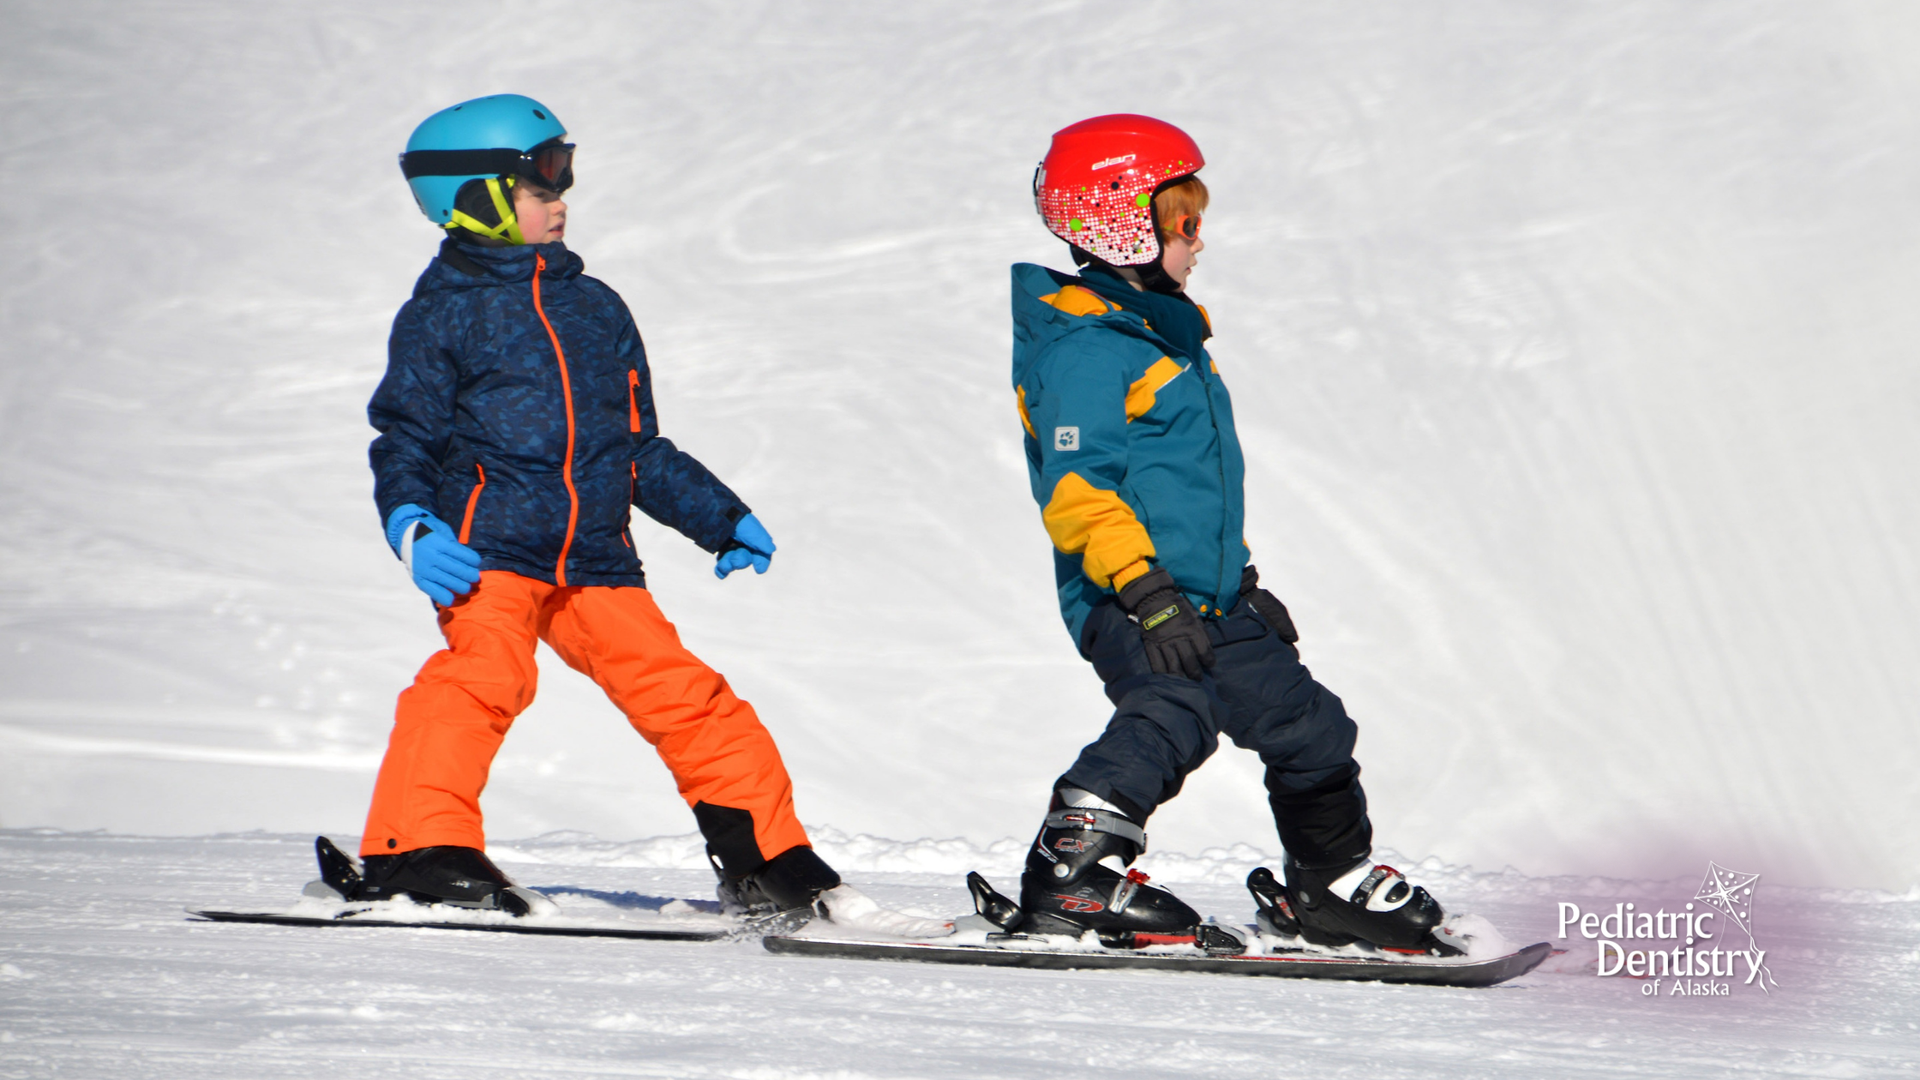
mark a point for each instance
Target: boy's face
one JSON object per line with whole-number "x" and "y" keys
{"x": 1178, "y": 255}
{"x": 543, "y": 217}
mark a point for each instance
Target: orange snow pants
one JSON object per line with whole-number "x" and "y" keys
{"x": 450, "y": 722}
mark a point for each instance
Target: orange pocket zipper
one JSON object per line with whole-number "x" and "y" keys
{"x": 633, "y": 477}
{"x": 473, "y": 500}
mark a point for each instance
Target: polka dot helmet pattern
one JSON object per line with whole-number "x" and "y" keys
{"x": 1095, "y": 188}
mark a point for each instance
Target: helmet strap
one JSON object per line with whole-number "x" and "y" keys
{"x": 1156, "y": 279}
{"x": 508, "y": 231}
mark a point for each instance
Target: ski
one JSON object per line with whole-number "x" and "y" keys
{"x": 1466, "y": 973}
{"x": 326, "y": 903}
{"x": 1273, "y": 947}
{"x": 516, "y": 926}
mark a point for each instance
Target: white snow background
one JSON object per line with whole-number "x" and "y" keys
{"x": 1571, "y": 349}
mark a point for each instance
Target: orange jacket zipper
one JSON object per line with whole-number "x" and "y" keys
{"x": 473, "y": 500}
{"x": 566, "y": 393}
{"x": 633, "y": 400}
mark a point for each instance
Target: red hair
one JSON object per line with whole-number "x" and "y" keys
{"x": 1187, "y": 198}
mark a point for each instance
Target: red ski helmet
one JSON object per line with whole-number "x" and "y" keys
{"x": 1095, "y": 189}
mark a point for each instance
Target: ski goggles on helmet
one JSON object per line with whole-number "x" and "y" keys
{"x": 550, "y": 164}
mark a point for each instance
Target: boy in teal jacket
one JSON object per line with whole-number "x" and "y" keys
{"x": 1135, "y": 463}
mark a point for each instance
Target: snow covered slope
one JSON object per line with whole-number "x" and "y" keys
{"x": 101, "y": 977}
{"x": 1571, "y": 346}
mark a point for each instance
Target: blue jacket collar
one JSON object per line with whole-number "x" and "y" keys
{"x": 466, "y": 266}
{"x": 1037, "y": 323}
{"x": 1173, "y": 315}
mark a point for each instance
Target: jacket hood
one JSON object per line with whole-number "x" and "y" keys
{"x": 1038, "y": 322}
{"x": 471, "y": 266}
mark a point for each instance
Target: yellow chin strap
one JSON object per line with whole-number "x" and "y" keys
{"x": 509, "y": 227}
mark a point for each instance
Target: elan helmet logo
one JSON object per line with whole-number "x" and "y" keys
{"x": 1123, "y": 159}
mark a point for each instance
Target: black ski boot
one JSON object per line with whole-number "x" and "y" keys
{"x": 790, "y": 881}
{"x": 1365, "y": 902}
{"x": 455, "y": 876}
{"x": 340, "y": 873}
{"x": 1078, "y": 879}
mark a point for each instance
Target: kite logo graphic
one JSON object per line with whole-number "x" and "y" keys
{"x": 1731, "y": 893}
{"x": 1690, "y": 950}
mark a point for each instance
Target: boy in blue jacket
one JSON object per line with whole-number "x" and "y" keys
{"x": 517, "y": 431}
{"x": 1136, "y": 466}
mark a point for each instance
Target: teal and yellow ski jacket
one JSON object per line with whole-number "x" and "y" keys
{"x": 1130, "y": 443}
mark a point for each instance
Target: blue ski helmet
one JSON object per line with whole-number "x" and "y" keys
{"x": 497, "y": 134}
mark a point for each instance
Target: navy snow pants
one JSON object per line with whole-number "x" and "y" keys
{"x": 1259, "y": 695}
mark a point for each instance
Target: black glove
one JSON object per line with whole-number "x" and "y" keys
{"x": 1176, "y": 642}
{"x": 1267, "y": 606}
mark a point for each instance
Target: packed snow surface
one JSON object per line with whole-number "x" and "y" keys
{"x": 102, "y": 974}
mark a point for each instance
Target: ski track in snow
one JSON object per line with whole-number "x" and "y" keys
{"x": 101, "y": 974}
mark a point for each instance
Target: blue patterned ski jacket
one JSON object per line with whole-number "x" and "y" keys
{"x": 517, "y": 404}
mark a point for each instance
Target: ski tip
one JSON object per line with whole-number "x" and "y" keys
{"x": 1535, "y": 954}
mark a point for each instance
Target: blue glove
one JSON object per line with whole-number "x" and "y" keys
{"x": 752, "y": 546}
{"x": 440, "y": 564}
